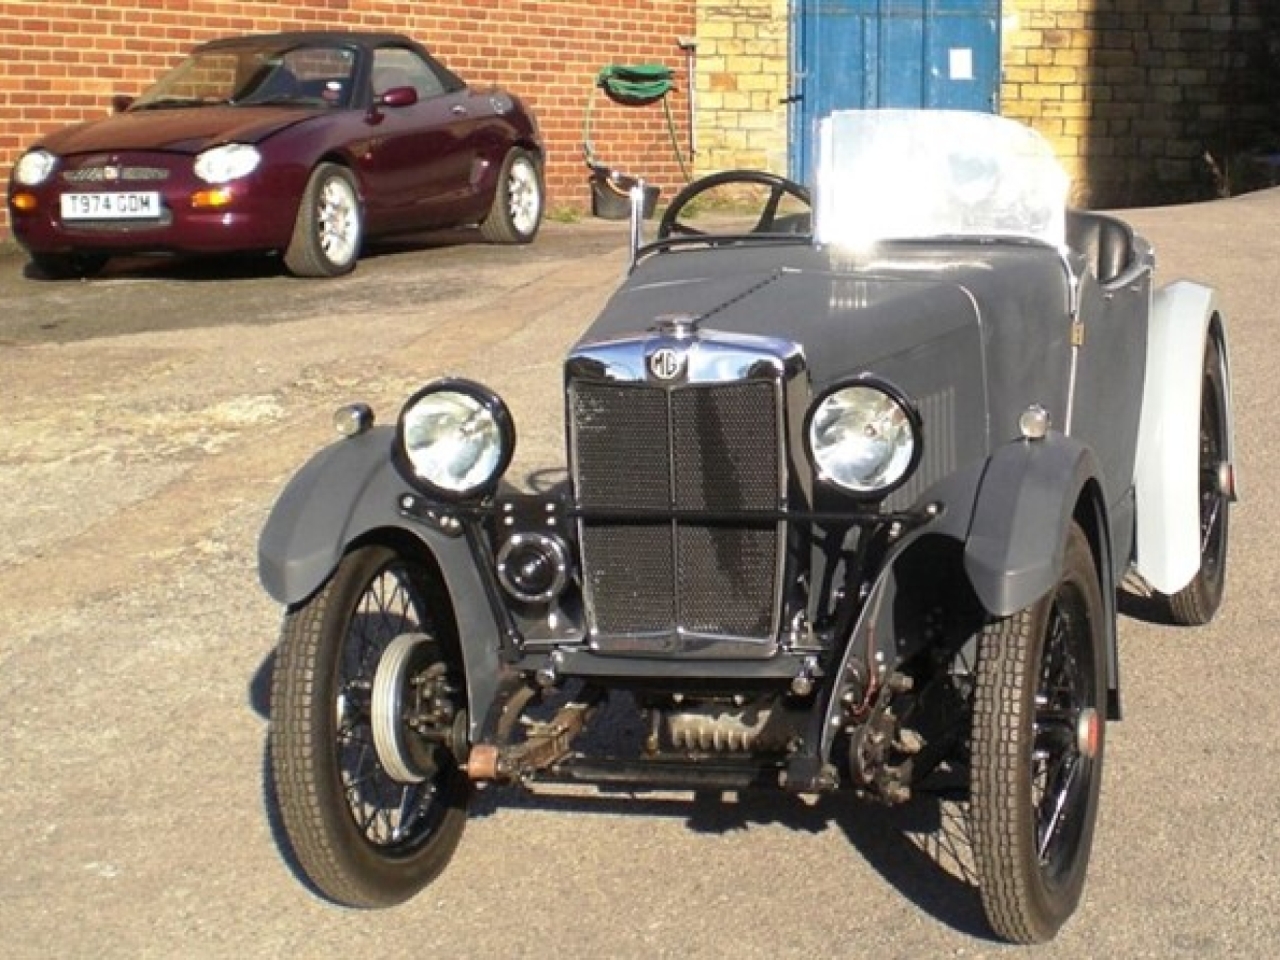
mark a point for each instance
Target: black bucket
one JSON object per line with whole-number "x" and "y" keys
{"x": 611, "y": 196}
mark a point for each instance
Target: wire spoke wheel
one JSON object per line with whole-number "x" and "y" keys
{"x": 1198, "y": 602}
{"x": 390, "y": 814}
{"x": 1063, "y": 715}
{"x": 363, "y": 836}
{"x": 1037, "y": 747}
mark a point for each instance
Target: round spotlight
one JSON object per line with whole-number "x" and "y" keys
{"x": 454, "y": 439}
{"x": 864, "y": 437}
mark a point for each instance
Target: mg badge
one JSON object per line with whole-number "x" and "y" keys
{"x": 666, "y": 364}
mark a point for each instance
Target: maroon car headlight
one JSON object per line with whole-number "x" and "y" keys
{"x": 34, "y": 167}
{"x": 454, "y": 439}
{"x": 231, "y": 161}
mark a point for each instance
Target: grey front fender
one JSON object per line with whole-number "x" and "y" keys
{"x": 1017, "y": 534}
{"x": 345, "y": 492}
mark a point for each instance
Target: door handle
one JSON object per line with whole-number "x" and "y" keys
{"x": 458, "y": 110}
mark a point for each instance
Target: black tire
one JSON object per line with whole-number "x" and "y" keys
{"x": 1036, "y": 752}
{"x": 1198, "y": 602}
{"x": 362, "y": 838}
{"x": 329, "y": 228}
{"x": 518, "y": 201}
{"x": 67, "y": 266}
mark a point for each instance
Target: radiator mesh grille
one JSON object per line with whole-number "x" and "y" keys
{"x": 713, "y": 448}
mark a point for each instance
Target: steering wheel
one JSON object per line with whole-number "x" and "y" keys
{"x": 779, "y": 187}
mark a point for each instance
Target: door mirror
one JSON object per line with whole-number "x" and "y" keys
{"x": 398, "y": 97}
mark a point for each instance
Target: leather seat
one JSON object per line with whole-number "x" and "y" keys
{"x": 1105, "y": 242}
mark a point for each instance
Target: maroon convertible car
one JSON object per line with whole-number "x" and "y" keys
{"x": 302, "y": 144}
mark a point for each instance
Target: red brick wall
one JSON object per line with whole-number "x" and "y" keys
{"x": 61, "y": 63}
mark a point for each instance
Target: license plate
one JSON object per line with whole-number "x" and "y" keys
{"x": 110, "y": 206}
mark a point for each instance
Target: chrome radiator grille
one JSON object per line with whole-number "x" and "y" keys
{"x": 710, "y": 448}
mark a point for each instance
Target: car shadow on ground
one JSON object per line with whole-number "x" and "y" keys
{"x": 431, "y": 240}
{"x": 253, "y": 266}
{"x": 921, "y": 848}
{"x": 176, "y": 269}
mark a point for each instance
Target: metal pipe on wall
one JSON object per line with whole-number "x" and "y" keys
{"x": 690, "y": 47}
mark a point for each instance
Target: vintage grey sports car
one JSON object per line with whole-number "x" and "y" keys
{"x": 850, "y": 498}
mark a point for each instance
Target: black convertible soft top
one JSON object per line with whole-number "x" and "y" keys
{"x": 364, "y": 41}
{"x": 356, "y": 38}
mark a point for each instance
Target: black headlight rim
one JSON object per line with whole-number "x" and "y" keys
{"x": 898, "y": 396}
{"x": 496, "y": 407}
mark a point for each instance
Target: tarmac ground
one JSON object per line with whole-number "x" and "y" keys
{"x": 152, "y": 416}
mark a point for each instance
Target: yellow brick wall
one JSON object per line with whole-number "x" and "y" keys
{"x": 1141, "y": 99}
{"x": 1145, "y": 102}
{"x": 741, "y": 81}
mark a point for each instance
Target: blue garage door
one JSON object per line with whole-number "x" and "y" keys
{"x": 848, "y": 54}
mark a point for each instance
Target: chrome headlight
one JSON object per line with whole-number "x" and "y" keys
{"x": 231, "y": 161}
{"x": 455, "y": 438}
{"x": 864, "y": 437}
{"x": 34, "y": 168}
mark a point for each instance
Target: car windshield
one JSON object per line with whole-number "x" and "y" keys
{"x": 253, "y": 75}
{"x": 922, "y": 174}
